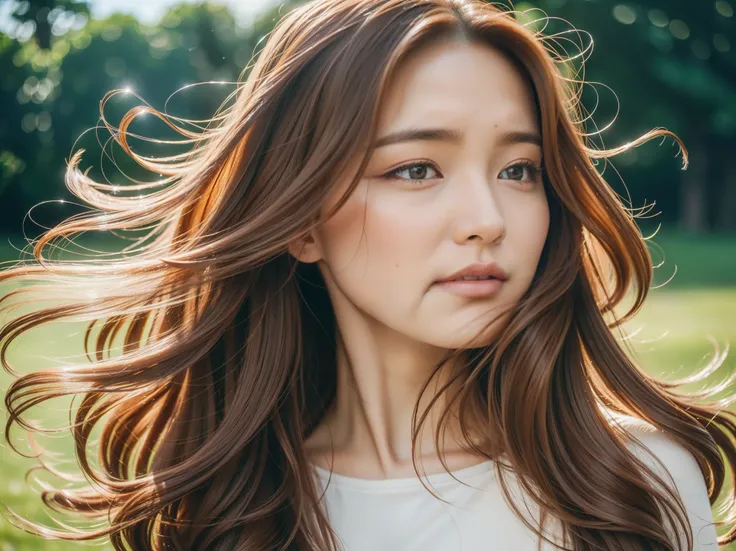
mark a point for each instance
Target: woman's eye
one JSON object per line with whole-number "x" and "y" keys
{"x": 523, "y": 172}
{"x": 415, "y": 171}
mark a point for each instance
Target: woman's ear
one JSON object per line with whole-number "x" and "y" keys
{"x": 306, "y": 248}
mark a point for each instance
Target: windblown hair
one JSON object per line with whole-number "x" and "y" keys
{"x": 229, "y": 359}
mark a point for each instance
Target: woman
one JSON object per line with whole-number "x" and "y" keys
{"x": 377, "y": 314}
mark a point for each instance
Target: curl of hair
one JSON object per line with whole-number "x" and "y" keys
{"x": 228, "y": 359}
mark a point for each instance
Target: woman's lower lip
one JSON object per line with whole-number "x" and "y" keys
{"x": 471, "y": 288}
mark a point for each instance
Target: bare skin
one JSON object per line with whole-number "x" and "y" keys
{"x": 463, "y": 201}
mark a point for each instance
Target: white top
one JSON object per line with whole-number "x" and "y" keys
{"x": 401, "y": 515}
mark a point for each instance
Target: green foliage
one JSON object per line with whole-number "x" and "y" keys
{"x": 43, "y": 16}
{"x": 53, "y": 94}
{"x": 658, "y": 63}
{"x": 667, "y": 65}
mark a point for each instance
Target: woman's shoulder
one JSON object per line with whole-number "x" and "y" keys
{"x": 670, "y": 459}
{"x": 643, "y": 435}
{"x": 645, "y": 440}
{"x": 658, "y": 449}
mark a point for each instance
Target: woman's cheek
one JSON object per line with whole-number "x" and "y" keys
{"x": 373, "y": 249}
{"x": 340, "y": 236}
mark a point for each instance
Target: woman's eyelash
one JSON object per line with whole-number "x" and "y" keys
{"x": 392, "y": 173}
{"x": 534, "y": 169}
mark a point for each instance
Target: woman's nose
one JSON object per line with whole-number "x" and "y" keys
{"x": 478, "y": 215}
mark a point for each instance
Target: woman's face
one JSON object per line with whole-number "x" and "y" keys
{"x": 465, "y": 189}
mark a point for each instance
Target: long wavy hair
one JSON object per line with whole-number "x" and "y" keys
{"x": 229, "y": 363}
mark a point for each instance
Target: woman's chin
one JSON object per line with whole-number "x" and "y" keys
{"x": 470, "y": 335}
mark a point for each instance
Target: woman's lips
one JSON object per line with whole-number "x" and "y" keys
{"x": 471, "y": 288}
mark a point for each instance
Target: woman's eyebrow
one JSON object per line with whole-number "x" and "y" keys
{"x": 449, "y": 135}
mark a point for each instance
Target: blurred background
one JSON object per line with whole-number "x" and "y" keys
{"x": 655, "y": 63}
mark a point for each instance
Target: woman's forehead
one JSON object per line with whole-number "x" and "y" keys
{"x": 455, "y": 83}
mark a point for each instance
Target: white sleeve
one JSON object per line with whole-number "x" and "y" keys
{"x": 688, "y": 478}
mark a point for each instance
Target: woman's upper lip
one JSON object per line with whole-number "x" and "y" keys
{"x": 491, "y": 269}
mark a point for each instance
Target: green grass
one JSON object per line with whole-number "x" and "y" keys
{"x": 675, "y": 324}
{"x": 692, "y": 261}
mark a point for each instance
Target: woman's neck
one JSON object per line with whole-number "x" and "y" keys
{"x": 368, "y": 431}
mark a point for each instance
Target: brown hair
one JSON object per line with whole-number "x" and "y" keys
{"x": 229, "y": 362}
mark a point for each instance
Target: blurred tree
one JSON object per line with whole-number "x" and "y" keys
{"x": 51, "y": 96}
{"x": 15, "y": 145}
{"x": 43, "y": 15}
{"x": 669, "y": 65}
{"x": 697, "y": 69}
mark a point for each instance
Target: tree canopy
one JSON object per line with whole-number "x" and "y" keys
{"x": 654, "y": 63}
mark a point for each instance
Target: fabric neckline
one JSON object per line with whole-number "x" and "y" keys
{"x": 466, "y": 474}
